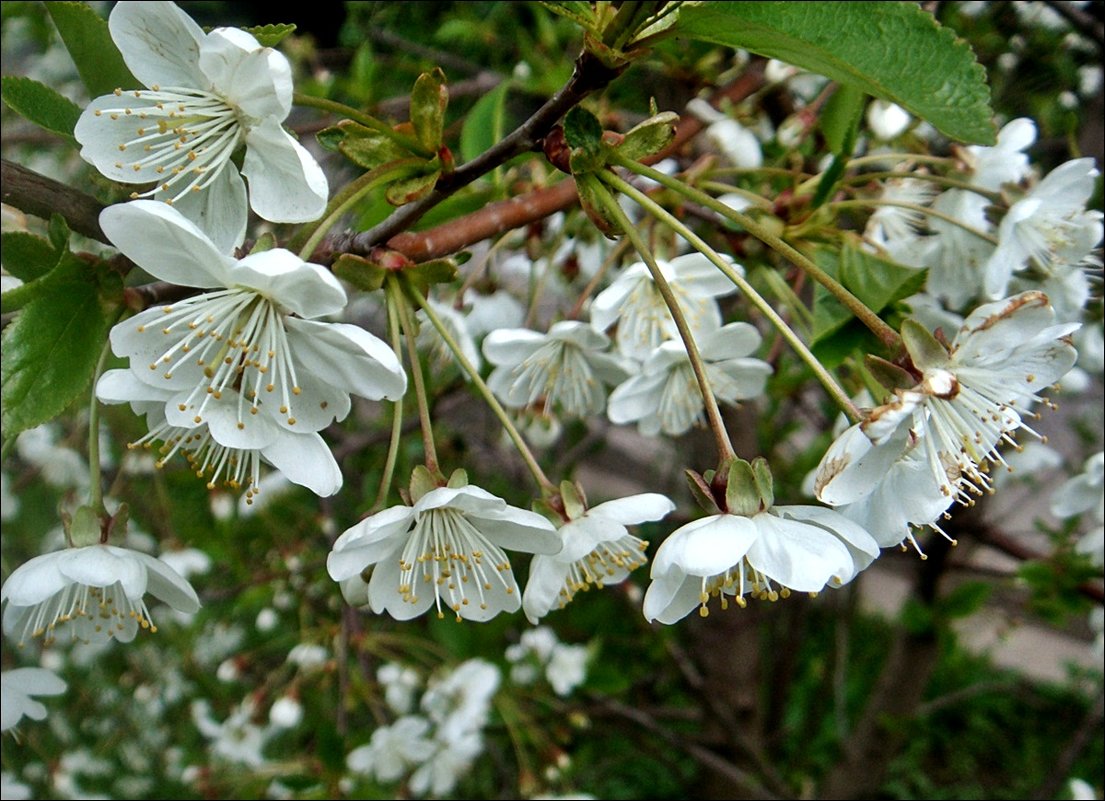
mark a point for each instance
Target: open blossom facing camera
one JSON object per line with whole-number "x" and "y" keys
{"x": 445, "y": 551}
{"x": 644, "y": 322}
{"x": 565, "y": 369}
{"x": 95, "y": 593}
{"x": 937, "y": 440}
{"x": 245, "y": 367}
{"x": 665, "y": 397}
{"x": 207, "y": 94}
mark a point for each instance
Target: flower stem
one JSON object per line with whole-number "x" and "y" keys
{"x": 95, "y": 490}
{"x": 887, "y": 335}
{"x": 844, "y": 204}
{"x": 823, "y": 375}
{"x": 367, "y": 120}
{"x": 547, "y": 487}
{"x": 403, "y": 309}
{"x": 713, "y": 413}
{"x": 942, "y": 180}
{"x": 396, "y": 414}
{"x": 309, "y": 236}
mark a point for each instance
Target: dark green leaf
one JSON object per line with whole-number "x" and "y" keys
{"x": 895, "y": 51}
{"x": 41, "y": 105}
{"x": 582, "y": 130}
{"x": 52, "y": 347}
{"x": 965, "y": 599}
{"x": 27, "y": 256}
{"x": 360, "y": 272}
{"x": 86, "y": 37}
{"x": 581, "y": 13}
{"x": 272, "y": 34}
{"x": 58, "y": 231}
{"x": 484, "y": 124}
{"x": 840, "y": 119}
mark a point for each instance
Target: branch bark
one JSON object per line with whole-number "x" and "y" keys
{"x": 41, "y": 196}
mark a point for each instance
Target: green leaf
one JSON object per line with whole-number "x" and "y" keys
{"x": 840, "y": 119}
{"x": 876, "y": 281}
{"x": 408, "y": 190}
{"x": 895, "y": 51}
{"x": 484, "y": 125}
{"x": 27, "y": 256}
{"x": 579, "y": 12}
{"x": 428, "y": 101}
{"x": 58, "y": 231}
{"x": 582, "y": 130}
{"x": 272, "y": 34}
{"x": 361, "y": 145}
{"x": 41, "y": 105}
{"x": 86, "y": 37}
{"x": 52, "y": 348}
{"x": 360, "y": 272}
{"x": 649, "y": 137}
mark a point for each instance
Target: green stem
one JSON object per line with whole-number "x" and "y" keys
{"x": 95, "y": 490}
{"x": 396, "y": 413}
{"x": 879, "y": 158}
{"x": 397, "y": 299}
{"x": 943, "y": 180}
{"x": 547, "y": 487}
{"x": 751, "y": 197}
{"x": 713, "y": 412}
{"x": 845, "y": 204}
{"x": 308, "y": 237}
{"x": 887, "y": 335}
{"x": 408, "y": 143}
{"x": 823, "y": 375}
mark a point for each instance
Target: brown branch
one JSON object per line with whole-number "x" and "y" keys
{"x": 41, "y": 196}
{"x": 508, "y": 214}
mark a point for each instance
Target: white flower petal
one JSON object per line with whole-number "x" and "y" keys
{"x": 167, "y": 585}
{"x": 302, "y": 287}
{"x": 634, "y": 509}
{"x": 799, "y": 556}
{"x": 256, "y": 79}
{"x": 161, "y": 241}
{"x": 349, "y": 358}
{"x": 159, "y": 42}
{"x": 705, "y": 547}
{"x": 305, "y": 460}
{"x": 543, "y": 587}
{"x": 220, "y": 210}
{"x": 286, "y": 184}
{"x": 103, "y": 566}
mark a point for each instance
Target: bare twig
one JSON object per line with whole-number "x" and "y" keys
{"x": 41, "y": 196}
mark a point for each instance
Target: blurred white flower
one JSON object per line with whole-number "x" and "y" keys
{"x": 393, "y": 750}
{"x": 308, "y": 656}
{"x": 1005, "y": 162}
{"x": 664, "y": 397}
{"x": 237, "y": 739}
{"x": 566, "y": 369}
{"x": 400, "y": 683}
{"x": 286, "y": 712}
{"x": 18, "y": 688}
{"x": 460, "y": 701}
{"x": 887, "y": 120}
{"x": 60, "y": 465}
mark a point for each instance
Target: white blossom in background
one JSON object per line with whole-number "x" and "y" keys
{"x": 236, "y": 739}
{"x": 459, "y": 702}
{"x": 393, "y": 750}
{"x": 598, "y": 550}
{"x": 448, "y": 764}
{"x": 955, "y": 255}
{"x": 538, "y": 651}
{"x": 400, "y": 684}
{"x": 767, "y": 555}
{"x": 286, "y": 712}
{"x": 207, "y": 94}
{"x": 664, "y": 396}
{"x": 566, "y": 369}
{"x": 12, "y": 788}
{"x": 18, "y": 689}
{"x": 287, "y": 375}
{"x": 1006, "y": 162}
{"x": 95, "y": 593}
{"x": 60, "y": 465}
{"x": 308, "y": 656}
{"x": 644, "y": 322}
{"x": 1085, "y": 493}
{"x": 896, "y": 229}
{"x": 187, "y": 562}
{"x": 1051, "y": 228}
{"x": 738, "y": 145}
{"x": 446, "y": 552}
{"x": 9, "y": 501}
{"x": 887, "y": 120}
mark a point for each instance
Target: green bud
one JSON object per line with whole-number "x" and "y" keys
{"x": 742, "y": 495}
{"x": 924, "y": 349}
{"x": 84, "y": 527}
{"x": 428, "y": 101}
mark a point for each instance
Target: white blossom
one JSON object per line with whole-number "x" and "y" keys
{"x": 206, "y": 95}
{"x": 18, "y": 688}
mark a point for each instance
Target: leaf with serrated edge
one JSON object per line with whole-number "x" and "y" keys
{"x": 895, "y": 51}
{"x": 52, "y": 347}
{"x": 272, "y": 34}
{"x": 41, "y": 105}
{"x": 86, "y": 37}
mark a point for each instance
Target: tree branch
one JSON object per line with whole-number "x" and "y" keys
{"x": 41, "y": 196}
